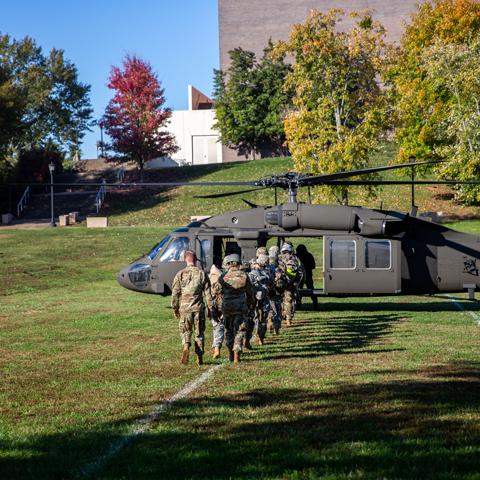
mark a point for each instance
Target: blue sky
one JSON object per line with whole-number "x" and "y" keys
{"x": 179, "y": 38}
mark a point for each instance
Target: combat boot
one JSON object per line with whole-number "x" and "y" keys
{"x": 216, "y": 352}
{"x": 261, "y": 341}
{"x": 230, "y": 355}
{"x": 236, "y": 358}
{"x": 199, "y": 353}
{"x": 185, "y": 354}
{"x": 276, "y": 331}
{"x": 288, "y": 322}
{"x": 248, "y": 345}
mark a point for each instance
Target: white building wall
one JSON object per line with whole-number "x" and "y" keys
{"x": 195, "y": 135}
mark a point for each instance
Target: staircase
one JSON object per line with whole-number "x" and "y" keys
{"x": 79, "y": 199}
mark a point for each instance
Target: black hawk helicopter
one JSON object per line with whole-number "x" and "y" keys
{"x": 366, "y": 251}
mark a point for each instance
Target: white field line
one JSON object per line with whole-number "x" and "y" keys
{"x": 473, "y": 314}
{"x": 142, "y": 425}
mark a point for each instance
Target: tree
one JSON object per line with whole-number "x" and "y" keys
{"x": 46, "y": 102}
{"x": 250, "y": 102}
{"x": 338, "y": 112}
{"x": 422, "y": 105}
{"x": 135, "y": 118}
{"x": 453, "y": 69}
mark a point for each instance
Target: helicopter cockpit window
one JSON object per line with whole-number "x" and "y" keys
{"x": 342, "y": 254}
{"x": 205, "y": 252}
{"x": 154, "y": 252}
{"x": 378, "y": 254}
{"x": 174, "y": 251}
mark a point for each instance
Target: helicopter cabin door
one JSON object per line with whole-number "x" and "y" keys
{"x": 360, "y": 265}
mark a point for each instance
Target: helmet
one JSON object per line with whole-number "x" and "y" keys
{"x": 261, "y": 251}
{"x": 286, "y": 247}
{"x": 232, "y": 258}
{"x": 262, "y": 260}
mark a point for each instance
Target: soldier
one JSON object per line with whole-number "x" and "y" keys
{"x": 308, "y": 262}
{"x": 262, "y": 282}
{"x": 217, "y": 317}
{"x": 276, "y": 294}
{"x": 190, "y": 292}
{"x": 292, "y": 267}
{"x": 237, "y": 300}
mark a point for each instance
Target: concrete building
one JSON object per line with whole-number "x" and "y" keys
{"x": 198, "y": 141}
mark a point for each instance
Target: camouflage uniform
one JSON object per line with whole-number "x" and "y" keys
{"x": 276, "y": 294}
{"x": 217, "y": 317}
{"x": 262, "y": 282}
{"x": 190, "y": 292}
{"x": 237, "y": 300}
{"x": 292, "y": 267}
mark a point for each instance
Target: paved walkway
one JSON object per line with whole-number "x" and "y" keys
{"x": 16, "y": 224}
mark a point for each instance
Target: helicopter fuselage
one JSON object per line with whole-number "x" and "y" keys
{"x": 365, "y": 252}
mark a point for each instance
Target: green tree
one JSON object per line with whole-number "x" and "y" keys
{"x": 250, "y": 101}
{"x": 422, "y": 104}
{"x": 338, "y": 112}
{"x": 453, "y": 70}
{"x": 49, "y": 105}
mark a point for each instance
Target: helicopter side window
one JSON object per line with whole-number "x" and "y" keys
{"x": 342, "y": 254}
{"x": 378, "y": 254}
{"x": 154, "y": 252}
{"x": 174, "y": 251}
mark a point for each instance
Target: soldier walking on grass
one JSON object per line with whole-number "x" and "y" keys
{"x": 237, "y": 300}
{"x": 292, "y": 267}
{"x": 190, "y": 295}
{"x": 217, "y": 315}
{"x": 276, "y": 294}
{"x": 261, "y": 280}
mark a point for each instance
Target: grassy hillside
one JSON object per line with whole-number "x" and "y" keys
{"x": 176, "y": 205}
{"x": 363, "y": 388}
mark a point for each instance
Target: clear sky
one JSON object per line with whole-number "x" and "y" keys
{"x": 178, "y": 37}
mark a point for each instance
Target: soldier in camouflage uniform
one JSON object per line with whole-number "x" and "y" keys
{"x": 237, "y": 300}
{"x": 251, "y": 314}
{"x": 292, "y": 266}
{"x": 217, "y": 316}
{"x": 276, "y": 294}
{"x": 262, "y": 282}
{"x": 190, "y": 293}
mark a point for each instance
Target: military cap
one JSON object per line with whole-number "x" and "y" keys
{"x": 286, "y": 247}
{"x": 232, "y": 258}
{"x": 273, "y": 251}
{"x": 262, "y": 251}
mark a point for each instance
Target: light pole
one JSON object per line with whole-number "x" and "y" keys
{"x": 51, "y": 167}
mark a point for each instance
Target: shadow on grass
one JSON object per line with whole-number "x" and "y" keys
{"x": 369, "y": 306}
{"x": 424, "y": 427}
{"x": 316, "y": 337}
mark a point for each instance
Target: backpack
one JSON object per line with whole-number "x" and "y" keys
{"x": 291, "y": 266}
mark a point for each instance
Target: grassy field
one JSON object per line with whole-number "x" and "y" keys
{"x": 363, "y": 388}
{"x": 176, "y": 205}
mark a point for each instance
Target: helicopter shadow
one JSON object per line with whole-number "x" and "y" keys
{"x": 316, "y": 337}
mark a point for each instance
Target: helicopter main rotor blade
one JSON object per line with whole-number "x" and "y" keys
{"x": 322, "y": 179}
{"x": 229, "y": 194}
{"x": 138, "y": 184}
{"x": 403, "y": 182}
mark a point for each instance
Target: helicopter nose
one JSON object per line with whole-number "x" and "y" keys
{"x": 122, "y": 278}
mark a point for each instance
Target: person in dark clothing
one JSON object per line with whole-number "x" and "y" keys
{"x": 308, "y": 262}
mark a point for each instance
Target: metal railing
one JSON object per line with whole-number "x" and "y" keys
{"x": 23, "y": 201}
{"x": 99, "y": 199}
{"x": 120, "y": 175}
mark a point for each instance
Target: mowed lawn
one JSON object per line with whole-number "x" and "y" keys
{"x": 363, "y": 388}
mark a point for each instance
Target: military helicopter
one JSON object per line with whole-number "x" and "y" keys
{"x": 366, "y": 251}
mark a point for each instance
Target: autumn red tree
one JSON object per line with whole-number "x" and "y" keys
{"x": 135, "y": 118}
